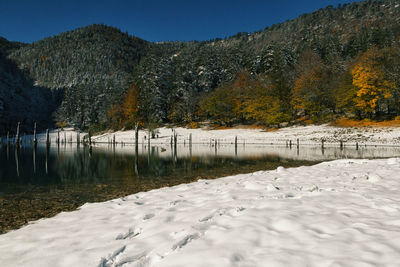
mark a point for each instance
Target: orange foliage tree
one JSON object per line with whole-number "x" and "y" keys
{"x": 225, "y": 104}
{"x": 131, "y": 106}
{"x": 127, "y": 114}
{"x": 371, "y": 81}
{"x": 263, "y": 103}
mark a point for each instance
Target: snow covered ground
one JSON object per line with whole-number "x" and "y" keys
{"x": 306, "y": 134}
{"x": 339, "y": 213}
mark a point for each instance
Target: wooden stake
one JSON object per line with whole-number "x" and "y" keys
{"x": 34, "y": 135}
{"x": 149, "y": 138}
{"x": 17, "y": 136}
{"x": 136, "y": 136}
{"x": 47, "y": 138}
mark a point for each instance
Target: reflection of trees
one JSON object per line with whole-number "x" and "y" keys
{"x": 105, "y": 167}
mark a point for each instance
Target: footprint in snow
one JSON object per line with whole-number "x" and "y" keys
{"x": 117, "y": 260}
{"x": 186, "y": 240}
{"x": 148, "y": 216}
{"x": 110, "y": 260}
{"x": 132, "y": 232}
{"x": 173, "y": 203}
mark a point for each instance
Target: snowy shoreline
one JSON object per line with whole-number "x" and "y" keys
{"x": 343, "y": 212}
{"x": 307, "y": 135}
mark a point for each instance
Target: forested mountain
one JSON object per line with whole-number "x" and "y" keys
{"x": 20, "y": 100}
{"x": 94, "y": 69}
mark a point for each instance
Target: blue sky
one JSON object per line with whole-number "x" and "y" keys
{"x": 152, "y": 20}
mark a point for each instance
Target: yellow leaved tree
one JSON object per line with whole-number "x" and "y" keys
{"x": 131, "y": 106}
{"x": 373, "y": 86}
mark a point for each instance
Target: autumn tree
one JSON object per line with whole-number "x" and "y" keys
{"x": 127, "y": 113}
{"x": 131, "y": 106}
{"x": 312, "y": 90}
{"x": 373, "y": 84}
{"x": 225, "y": 104}
{"x": 264, "y": 104}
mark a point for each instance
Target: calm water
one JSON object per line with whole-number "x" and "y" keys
{"x": 40, "y": 183}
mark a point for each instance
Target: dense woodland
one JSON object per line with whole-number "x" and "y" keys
{"x": 335, "y": 62}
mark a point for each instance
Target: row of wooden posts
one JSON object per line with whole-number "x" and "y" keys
{"x": 174, "y": 139}
{"x": 18, "y": 142}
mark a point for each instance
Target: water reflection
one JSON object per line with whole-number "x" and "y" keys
{"x": 44, "y": 181}
{"x": 79, "y": 164}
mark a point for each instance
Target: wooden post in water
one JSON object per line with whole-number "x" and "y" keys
{"x": 34, "y": 159}
{"x": 113, "y": 139}
{"x": 90, "y": 139}
{"x": 65, "y": 138}
{"x": 17, "y": 136}
{"x": 290, "y": 144}
{"x": 341, "y": 145}
{"x": 8, "y": 138}
{"x": 78, "y": 139}
{"x": 298, "y": 143}
{"x": 47, "y": 154}
{"x": 34, "y": 135}
{"x": 47, "y": 138}
{"x": 149, "y": 138}
{"x": 190, "y": 140}
{"x": 58, "y": 137}
{"x": 356, "y": 145}
{"x": 17, "y": 161}
{"x": 322, "y": 144}
{"x": 175, "y": 138}
{"x": 235, "y": 145}
{"x": 175, "y": 144}
{"x": 136, "y": 136}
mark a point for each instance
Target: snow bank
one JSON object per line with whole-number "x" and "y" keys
{"x": 306, "y": 135}
{"x": 339, "y": 213}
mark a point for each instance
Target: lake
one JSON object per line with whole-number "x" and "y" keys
{"x": 37, "y": 183}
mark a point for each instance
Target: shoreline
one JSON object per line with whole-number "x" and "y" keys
{"x": 307, "y": 135}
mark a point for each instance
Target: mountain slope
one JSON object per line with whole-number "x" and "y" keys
{"x": 93, "y": 66}
{"x": 20, "y": 100}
